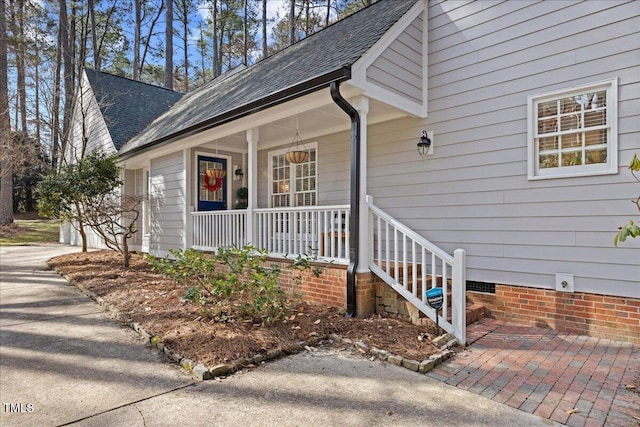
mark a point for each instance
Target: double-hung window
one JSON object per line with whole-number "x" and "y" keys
{"x": 573, "y": 132}
{"x": 293, "y": 184}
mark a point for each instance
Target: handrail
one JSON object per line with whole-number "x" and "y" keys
{"x": 302, "y": 208}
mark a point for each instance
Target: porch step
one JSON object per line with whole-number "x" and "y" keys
{"x": 474, "y": 310}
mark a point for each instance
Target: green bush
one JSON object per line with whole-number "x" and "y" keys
{"x": 233, "y": 280}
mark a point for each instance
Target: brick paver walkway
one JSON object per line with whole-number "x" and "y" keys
{"x": 571, "y": 379}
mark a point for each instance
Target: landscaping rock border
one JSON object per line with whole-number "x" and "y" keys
{"x": 200, "y": 372}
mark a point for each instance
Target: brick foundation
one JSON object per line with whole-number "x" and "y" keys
{"x": 327, "y": 289}
{"x": 604, "y": 316}
{"x": 366, "y": 294}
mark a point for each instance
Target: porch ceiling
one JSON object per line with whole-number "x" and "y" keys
{"x": 314, "y": 123}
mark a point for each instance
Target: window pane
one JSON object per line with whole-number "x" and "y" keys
{"x": 570, "y": 122}
{"x": 548, "y": 161}
{"x": 569, "y": 105}
{"x": 596, "y": 137}
{"x": 548, "y": 143}
{"x": 572, "y": 159}
{"x": 573, "y": 140}
{"x": 595, "y": 118}
{"x": 596, "y": 156}
{"x": 598, "y": 99}
{"x": 547, "y": 126}
{"x": 546, "y": 109}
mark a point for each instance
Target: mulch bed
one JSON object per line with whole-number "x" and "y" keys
{"x": 155, "y": 302}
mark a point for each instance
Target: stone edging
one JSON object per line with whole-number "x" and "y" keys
{"x": 447, "y": 341}
{"x": 201, "y": 372}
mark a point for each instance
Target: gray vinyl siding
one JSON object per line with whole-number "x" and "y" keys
{"x": 399, "y": 68}
{"x": 332, "y": 170}
{"x": 167, "y": 203}
{"x": 485, "y": 59}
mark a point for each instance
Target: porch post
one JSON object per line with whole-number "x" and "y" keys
{"x": 188, "y": 205}
{"x": 361, "y": 103}
{"x": 253, "y": 135}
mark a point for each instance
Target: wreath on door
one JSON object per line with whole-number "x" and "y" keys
{"x": 215, "y": 186}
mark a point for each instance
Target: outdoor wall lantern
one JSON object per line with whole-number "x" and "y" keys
{"x": 238, "y": 173}
{"x": 424, "y": 144}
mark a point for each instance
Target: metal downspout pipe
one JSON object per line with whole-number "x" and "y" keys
{"x": 354, "y": 232}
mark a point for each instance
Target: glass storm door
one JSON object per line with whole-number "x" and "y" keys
{"x": 212, "y": 192}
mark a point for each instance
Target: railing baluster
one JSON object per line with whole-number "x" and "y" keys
{"x": 414, "y": 268}
{"x": 445, "y": 305}
{"x": 423, "y": 275}
{"x": 405, "y": 268}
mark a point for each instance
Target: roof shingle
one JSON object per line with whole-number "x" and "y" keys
{"x": 128, "y": 106}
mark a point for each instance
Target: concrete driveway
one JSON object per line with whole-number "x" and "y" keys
{"x": 65, "y": 362}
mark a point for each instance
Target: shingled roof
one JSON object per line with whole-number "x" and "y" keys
{"x": 128, "y": 106}
{"x": 307, "y": 65}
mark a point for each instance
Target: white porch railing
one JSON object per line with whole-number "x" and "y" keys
{"x": 214, "y": 229}
{"x": 411, "y": 265}
{"x": 321, "y": 231}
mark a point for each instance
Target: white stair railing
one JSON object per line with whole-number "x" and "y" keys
{"x": 411, "y": 265}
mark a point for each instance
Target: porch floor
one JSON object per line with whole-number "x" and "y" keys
{"x": 572, "y": 379}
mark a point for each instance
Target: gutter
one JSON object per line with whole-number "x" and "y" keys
{"x": 354, "y": 221}
{"x": 277, "y": 98}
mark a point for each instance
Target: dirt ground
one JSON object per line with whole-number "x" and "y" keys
{"x": 155, "y": 302}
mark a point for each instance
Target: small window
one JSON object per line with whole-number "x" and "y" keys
{"x": 574, "y": 132}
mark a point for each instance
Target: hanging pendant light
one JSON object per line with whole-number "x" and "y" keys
{"x": 298, "y": 152}
{"x": 216, "y": 173}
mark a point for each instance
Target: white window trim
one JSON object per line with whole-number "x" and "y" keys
{"x": 271, "y": 154}
{"x": 611, "y": 167}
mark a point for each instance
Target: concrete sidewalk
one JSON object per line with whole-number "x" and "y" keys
{"x": 64, "y": 362}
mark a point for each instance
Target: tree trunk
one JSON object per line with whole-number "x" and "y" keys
{"x": 126, "y": 257}
{"x": 36, "y": 89}
{"x": 245, "y": 35}
{"x": 55, "y": 110}
{"x": 265, "y": 49}
{"x": 94, "y": 38}
{"x": 185, "y": 24}
{"x": 168, "y": 61}
{"x": 292, "y": 19}
{"x": 137, "y": 4}
{"x": 68, "y": 74}
{"x": 6, "y": 179}
{"x": 20, "y": 66}
{"x": 326, "y": 19}
{"x": 214, "y": 24}
{"x": 83, "y": 234}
